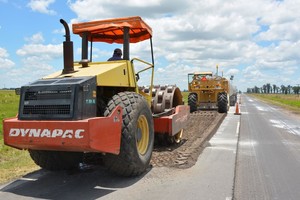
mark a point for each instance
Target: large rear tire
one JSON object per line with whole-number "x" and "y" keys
{"x": 56, "y": 160}
{"x": 137, "y": 135}
{"x": 222, "y": 102}
{"x": 192, "y": 102}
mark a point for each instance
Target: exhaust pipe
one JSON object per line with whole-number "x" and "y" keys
{"x": 67, "y": 50}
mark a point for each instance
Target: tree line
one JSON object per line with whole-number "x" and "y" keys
{"x": 274, "y": 89}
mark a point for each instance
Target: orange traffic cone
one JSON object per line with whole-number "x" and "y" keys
{"x": 237, "y": 110}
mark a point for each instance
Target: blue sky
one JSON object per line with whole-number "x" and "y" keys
{"x": 257, "y": 41}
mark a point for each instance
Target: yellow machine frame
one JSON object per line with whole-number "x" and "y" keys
{"x": 207, "y": 87}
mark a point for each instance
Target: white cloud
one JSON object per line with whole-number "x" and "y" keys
{"x": 5, "y": 63}
{"x": 192, "y": 35}
{"x": 3, "y": 52}
{"x": 36, "y": 59}
{"x": 283, "y": 20}
{"x": 48, "y": 52}
{"x": 232, "y": 72}
{"x": 35, "y": 39}
{"x": 41, "y": 6}
{"x": 160, "y": 70}
{"x": 95, "y": 9}
{"x": 36, "y": 66}
{"x": 59, "y": 31}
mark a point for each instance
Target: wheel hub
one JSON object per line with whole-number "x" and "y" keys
{"x": 142, "y": 134}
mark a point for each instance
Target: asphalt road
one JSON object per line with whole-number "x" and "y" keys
{"x": 252, "y": 156}
{"x": 268, "y": 161}
{"x": 212, "y": 177}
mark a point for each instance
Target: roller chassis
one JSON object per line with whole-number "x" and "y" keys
{"x": 70, "y": 114}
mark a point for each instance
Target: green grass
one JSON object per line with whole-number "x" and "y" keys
{"x": 287, "y": 101}
{"x": 185, "y": 97}
{"x": 13, "y": 162}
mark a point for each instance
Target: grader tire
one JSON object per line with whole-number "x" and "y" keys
{"x": 222, "y": 103}
{"x": 56, "y": 160}
{"x": 137, "y": 135}
{"x": 192, "y": 102}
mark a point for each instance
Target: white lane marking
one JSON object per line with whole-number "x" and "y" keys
{"x": 292, "y": 143}
{"x": 28, "y": 179}
{"x": 237, "y": 129}
{"x": 248, "y": 143}
{"x": 222, "y": 141}
{"x": 281, "y": 124}
{"x": 106, "y": 188}
{"x": 277, "y": 123}
{"x": 245, "y": 113}
{"x": 261, "y": 108}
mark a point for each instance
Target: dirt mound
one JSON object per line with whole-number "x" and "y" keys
{"x": 201, "y": 126}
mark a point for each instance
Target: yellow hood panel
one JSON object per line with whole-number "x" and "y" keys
{"x": 112, "y": 73}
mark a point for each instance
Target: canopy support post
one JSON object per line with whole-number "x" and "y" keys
{"x": 126, "y": 39}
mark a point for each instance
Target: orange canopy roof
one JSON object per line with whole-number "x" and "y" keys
{"x": 111, "y": 30}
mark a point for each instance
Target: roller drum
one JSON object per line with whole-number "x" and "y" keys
{"x": 164, "y": 98}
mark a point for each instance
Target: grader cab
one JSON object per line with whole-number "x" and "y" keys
{"x": 97, "y": 108}
{"x": 210, "y": 91}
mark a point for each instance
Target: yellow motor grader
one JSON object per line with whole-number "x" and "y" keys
{"x": 210, "y": 91}
{"x": 97, "y": 108}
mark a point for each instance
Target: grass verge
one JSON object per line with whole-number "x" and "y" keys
{"x": 185, "y": 97}
{"x": 287, "y": 101}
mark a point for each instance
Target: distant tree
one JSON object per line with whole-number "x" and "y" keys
{"x": 283, "y": 89}
{"x": 274, "y": 88}
{"x": 256, "y": 89}
{"x": 264, "y": 89}
{"x": 289, "y": 87}
{"x": 268, "y": 87}
{"x": 296, "y": 89}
